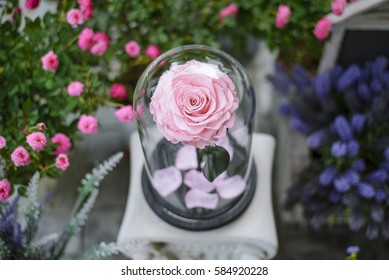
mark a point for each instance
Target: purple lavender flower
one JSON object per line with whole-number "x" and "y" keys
{"x": 299, "y": 125}
{"x": 339, "y": 149}
{"x": 356, "y": 221}
{"x": 343, "y": 128}
{"x": 376, "y": 86}
{"x": 352, "y": 148}
{"x": 377, "y": 213}
{"x": 352, "y": 176}
{"x": 322, "y": 83}
{"x": 342, "y": 184}
{"x": 280, "y": 80}
{"x": 327, "y": 176}
{"x": 372, "y": 231}
{"x": 285, "y": 109}
{"x": 352, "y": 250}
{"x": 381, "y": 195}
{"x": 335, "y": 73}
{"x": 385, "y": 165}
{"x": 358, "y": 165}
{"x": 377, "y": 176}
{"x": 301, "y": 79}
{"x": 317, "y": 139}
{"x": 335, "y": 197}
{"x": 348, "y": 78}
{"x": 364, "y": 92}
{"x": 358, "y": 122}
{"x": 366, "y": 190}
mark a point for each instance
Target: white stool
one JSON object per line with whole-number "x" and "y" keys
{"x": 143, "y": 235}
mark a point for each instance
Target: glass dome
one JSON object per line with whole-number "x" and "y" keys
{"x": 195, "y": 108}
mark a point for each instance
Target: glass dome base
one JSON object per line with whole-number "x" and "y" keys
{"x": 199, "y": 219}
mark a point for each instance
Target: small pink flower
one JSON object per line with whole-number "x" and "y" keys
{"x": 153, "y": 51}
{"x": 75, "y": 88}
{"x": 125, "y": 114}
{"x": 37, "y": 141}
{"x": 5, "y": 189}
{"x": 132, "y": 48}
{"x": 88, "y": 124}
{"x": 50, "y": 62}
{"x": 86, "y": 40}
{"x": 41, "y": 126}
{"x": 118, "y": 91}
{"x": 31, "y": 4}
{"x": 230, "y": 10}
{"x": 86, "y": 7}
{"x": 322, "y": 29}
{"x": 283, "y": 16}
{"x": 101, "y": 44}
{"x": 74, "y": 18}
{"x": 20, "y": 156}
{"x": 17, "y": 10}
{"x": 3, "y": 142}
{"x": 63, "y": 142}
{"x": 62, "y": 162}
{"x": 338, "y": 6}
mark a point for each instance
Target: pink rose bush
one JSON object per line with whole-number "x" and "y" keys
{"x": 323, "y": 28}
{"x": 74, "y": 17}
{"x": 32, "y": 4}
{"x": 63, "y": 142}
{"x": 37, "y": 141}
{"x": 338, "y": 6}
{"x": 118, "y": 91}
{"x": 202, "y": 103}
{"x": 5, "y": 189}
{"x": 86, "y": 7}
{"x": 20, "y": 156}
{"x": 88, "y": 124}
{"x": 62, "y": 162}
{"x": 153, "y": 51}
{"x": 97, "y": 43}
{"x": 283, "y": 16}
{"x": 75, "y": 88}
{"x": 3, "y": 142}
{"x": 50, "y": 62}
{"x": 125, "y": 114}
{"x": 230, "y": 10}
{"x": 132, "y": 48}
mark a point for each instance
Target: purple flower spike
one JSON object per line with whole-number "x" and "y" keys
{"x": 352, "y": 250}
{"x": 299, "y": 126}
{"x": 339, "y": 149}
{"x": 348, "y": 78}
{"x": 366, "y": 190}
{"x": 377, "y": 176}
{"x": 328, "y": 176}
{"x": 343, "y": 128}
{"x": 317, "y": 139}
{"x": 358, "y": 122}
{"x": 358, "y": 165}
{"x": 342, "y": 184}
{"x": 381, "y": 195}
{"x": 364, "y": 92}
{"x": 352, "y": 148}
{"x": 322, "y": 83}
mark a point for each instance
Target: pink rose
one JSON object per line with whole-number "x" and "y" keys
{"x": 283, "y": 16}
{"x": 75, "y": 88}
{"x": 153, "y": 51}
{"x": 125, "y": 114}
{"x": 88, "y": 124}
{"x": 5, "y": 189}
{"x": 338, "y": 6}
{"x": 63, "y": 142}
{"x": 31, "y": 4}
{"x": 132, "y": 48}
{"x": 20, "y": 156}
{"x": 86, "y": 40}
{"x": 101, "y": 44}
{"x": 74, "y": 18}
{"x": 230, "y": 10}
{"x": 118, "y": 91}
{"x": 86, "y": 7}
{"x": 62, "y": 162}
{"x": 41, "y": 126}
{"x": 322, "y": 28}
{"x": 3, "y": 142}
{"x": 50, "y": 62}
{"x": 37, "y": 141}
{"x": 201, "y": 104}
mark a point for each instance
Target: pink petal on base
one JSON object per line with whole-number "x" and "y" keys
{"x": 196, "y": 180}
{"x": 186, "y": 158}
{"x": 196, "y": 198}
{"x": 167, "y": 180}
{"x": 231, "y": 187}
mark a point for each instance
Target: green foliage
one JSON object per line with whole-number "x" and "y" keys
{"x": 216, "y": 160}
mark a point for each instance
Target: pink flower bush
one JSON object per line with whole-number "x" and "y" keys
{"x": 75, "y": 88}
{"x": 283, "y": 16}
{"x": 20, "y": 156}
{"x": 86, "y": 7}
{"x": 202, "y": 103}
{"x": 3, "y": 142}
{"x": 62, "y": 162}
{"x": 5, "y": 190}
{"x": 338, "y": 6}
{"x": 88, "y": 124}
{"x": 37, "y": 141}
{"x": 132, "y": 48}
{"x": 125, "y": 114}
{"x": 50, "y": 62}
{"x": 63, "y": 142}
{"x": 86, "y": 39}
{"x": 74, "y": 17}
{"x": 32, "y": 4}
{"x": 101, "y": 44}
{"x": 230, "y": 10}
{"x": 118, "y": 91}
{"x": 41, "y": 126}
{"x": 153, "y": 51}
{"x": 322, "y": 29}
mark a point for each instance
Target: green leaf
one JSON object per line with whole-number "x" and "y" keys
{"x": 27, "y": 105}
{"x": 216, "y": 160}
{"x": 22, "y": 191}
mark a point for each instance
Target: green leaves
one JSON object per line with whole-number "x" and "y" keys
{"x": 216, "y": 160}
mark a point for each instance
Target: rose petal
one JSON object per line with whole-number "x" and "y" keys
{"x": 231, "y": 187}
{"x": 196, "y": 180}
{"x": 196, "y": 198}
{"x": 186, "y": 158}
{"x": 167, "y": 180}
